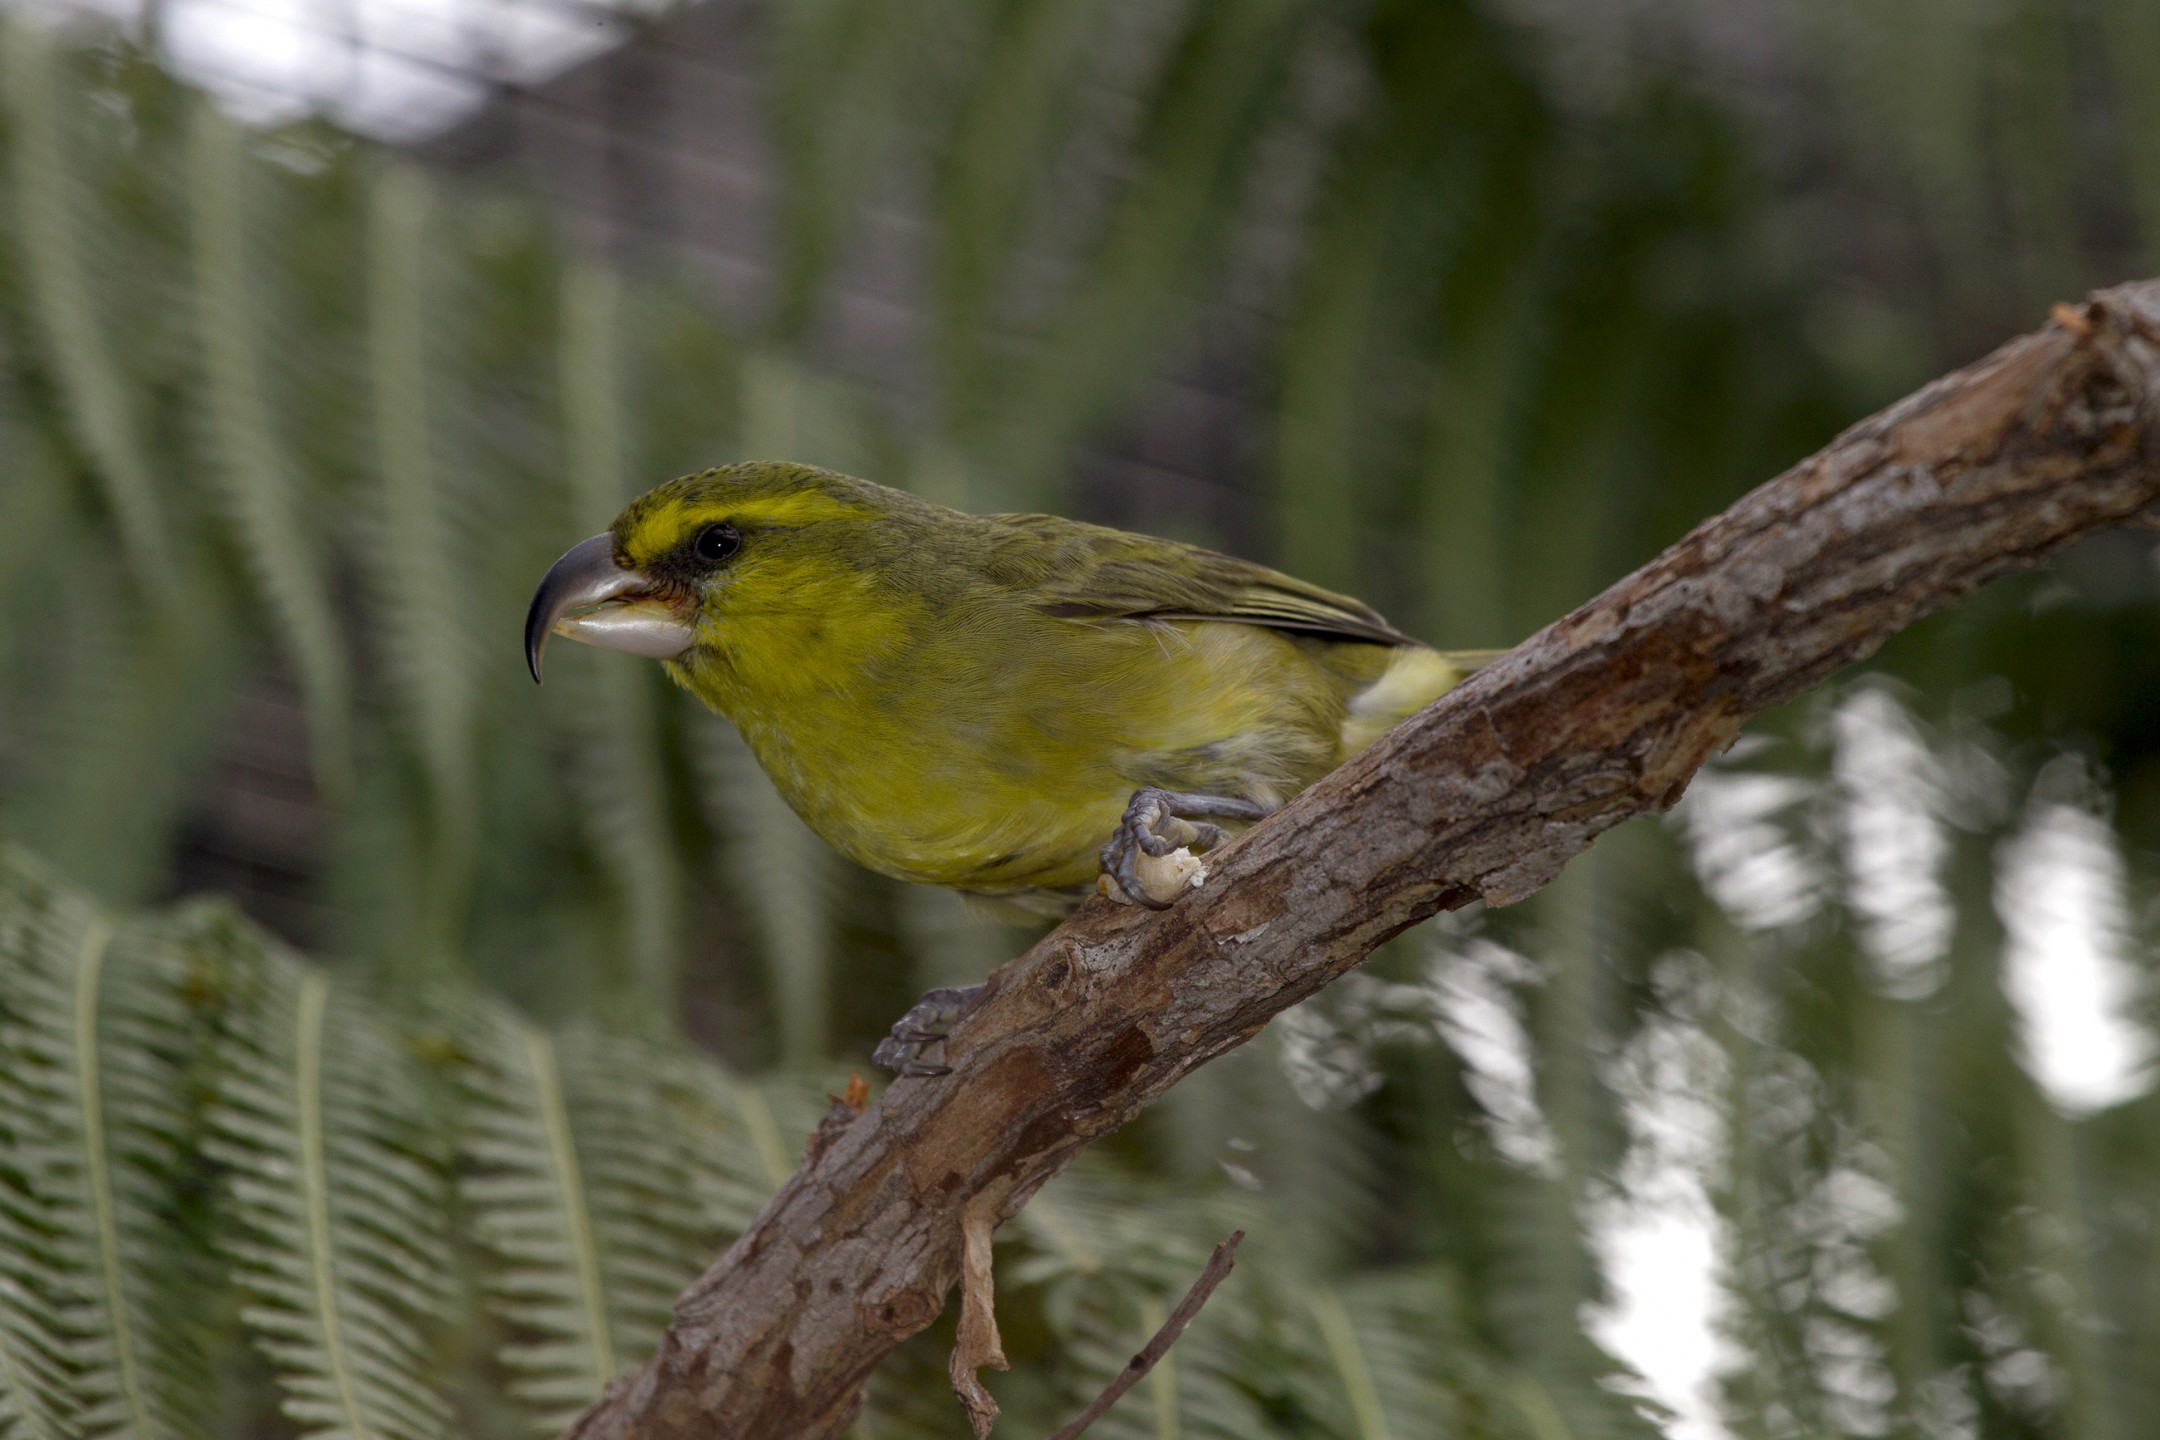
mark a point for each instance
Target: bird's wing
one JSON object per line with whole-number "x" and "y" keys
{"x": 1085, "y": 572}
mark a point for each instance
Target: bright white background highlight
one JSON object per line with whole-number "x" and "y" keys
{"x": 2059, "y": 890}
{"x": 399, "y": 70}
{"x": 1658, "y": 1237}
{"x": 1889, "y": 797}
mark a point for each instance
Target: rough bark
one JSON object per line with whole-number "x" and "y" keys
{"x": 1604, "y": 715}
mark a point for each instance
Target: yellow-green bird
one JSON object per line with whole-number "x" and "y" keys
{"x": 1005, "y": 704}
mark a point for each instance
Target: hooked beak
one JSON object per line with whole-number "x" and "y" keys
{"x": 587, "y": 596}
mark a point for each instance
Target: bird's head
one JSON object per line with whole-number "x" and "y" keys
{"x": 726, "y": 554}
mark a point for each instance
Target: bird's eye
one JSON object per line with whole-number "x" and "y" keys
{"x": 717, "y": 542}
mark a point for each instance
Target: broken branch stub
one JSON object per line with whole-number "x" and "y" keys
{"x": 976, "y": 1343}
{"x": 1601, "y": 716}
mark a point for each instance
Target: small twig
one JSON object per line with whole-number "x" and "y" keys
{"x": 1219, "y": 1266}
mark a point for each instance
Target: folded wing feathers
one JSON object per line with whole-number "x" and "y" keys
{"x": 1085, "y": 572}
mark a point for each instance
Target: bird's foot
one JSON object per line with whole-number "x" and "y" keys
{"x": 1158, "y": 824}
{"x": 908, "y": 1050}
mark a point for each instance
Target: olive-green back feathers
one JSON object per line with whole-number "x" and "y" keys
{"x": 1088, "y": 572}
{"x": 1059, "y": 567}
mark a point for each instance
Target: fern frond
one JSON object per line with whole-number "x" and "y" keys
{"x": 35, "y": 1383}
{"x": 1346, "y": 1351}
{"x": 589, "y": 367}
{"x": 604, "y": 1172}
{"x": 34, "y": 535}
{"x": 1242, "y": 1119}
{"x": 790, "y": 410}
{"x": 30, "y": 503}
{"x": 257, "y": 478}
{"x": 1324, "y": 437}
{"x": 677, "y": 1172}
{"x": 1010, "y": 121}
{"x": 610, "y": 705}
{"x": 783, "y": 875}
{"x": 340, "y": 1205}
{"x": 1391, "y": 1348}
{"x": 416, "y": 574}
{"x": 528, "y": 1193}
{"x": 93, "y": 1033}
{"x": 1105, "y": 1258}
{"x": 1229, "y": 71}
{"x": 37, "y": 1394}
{"x": 53, "y": 233}
{"x": 1464, "y": 474}
{"x": 26, "y": 1373}
{"x": 844, "y": 75}
{"x": 119, "y": 731}
{"x": 751, "y": 1134}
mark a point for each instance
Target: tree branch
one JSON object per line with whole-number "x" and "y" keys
{"x": 1604, "y": 715}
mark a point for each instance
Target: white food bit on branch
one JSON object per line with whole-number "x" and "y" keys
{"x": 1162, "y": 877}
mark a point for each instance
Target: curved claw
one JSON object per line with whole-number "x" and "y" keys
{"x": 925, "y": 1026}
{"x": 1160, "y": 822}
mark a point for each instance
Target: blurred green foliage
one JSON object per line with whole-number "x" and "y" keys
{"x": 281, "y": 413}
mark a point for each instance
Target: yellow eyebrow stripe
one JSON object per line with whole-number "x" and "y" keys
{"x": 802, "y": 508}
{"x": 668, "y": 520}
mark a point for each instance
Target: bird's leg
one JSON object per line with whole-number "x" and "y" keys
{"x": 923, "y": 1029}
{"x": 1158, "y": 822}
